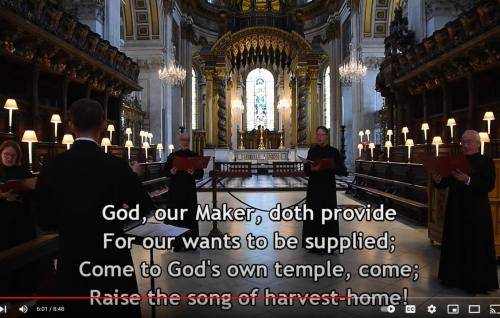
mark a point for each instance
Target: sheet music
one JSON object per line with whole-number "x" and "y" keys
{"x": 156, "y": 229}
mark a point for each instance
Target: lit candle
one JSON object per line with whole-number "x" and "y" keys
{"x": 159, "y": 147}
{"x": 489, "y": 116}
{"x": 361, "y": 134}
{"x": 68, "y": 140}
{"x": 150, "y": 136}
{"x": 170, "y": 148}
{"x": 425, "y": 127}
{"x": 141, "y": 134}
{"x": 360, "y": 148}
{"x": 10, "y": 105}
{"x": 145, "y": 145}
{"x": 409, "y": 143}
{"x": 389, "y": 134}
{"x": 111, "y": 128}
{"x": 484, "y": 137}
{"x": 437, "y": 141}
{"x": 451, "y": 122}
{"x": 128, "y": 145}
{"x": 29, "y": 136}
{"x": 367, "y": 133}
{"x": 388, "y": 145}
{"x": 405, "y": 130}
{"x": 128, "y": 131}
{"x": 371, "y": 146}
{"x": 55, "y": 119}
{"x": 105, "y": 142}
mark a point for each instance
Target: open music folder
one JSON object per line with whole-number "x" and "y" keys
{"x": 446, "y": 164}
{"x": 325, "y": 164}
{"x": 186, "y": 163}
{"x": 19, "y": 186}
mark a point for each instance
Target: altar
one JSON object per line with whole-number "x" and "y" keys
{"x": 261, "y": 155}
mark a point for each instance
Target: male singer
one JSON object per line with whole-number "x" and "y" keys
{"x": 72, "y": 191}
{"x": 468, "y": 247}
{"x": 322, "y": 188}
{"x": 182, "y": 190}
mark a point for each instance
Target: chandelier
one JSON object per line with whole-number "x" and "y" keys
{"x": 352, "y": 71}
{"x": 172, "y": 74}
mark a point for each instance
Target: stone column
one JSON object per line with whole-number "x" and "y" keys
{"x": 315, "y": 112}
{"x": 220, "y": 90}
{"x": 210, "y": 126}
{"x": 302, "y": 140}
{"x": 293, "y": 128}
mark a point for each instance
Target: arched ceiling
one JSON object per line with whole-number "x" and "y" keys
{"x": 377, "y": 16}
{"x": 140, "y": 20}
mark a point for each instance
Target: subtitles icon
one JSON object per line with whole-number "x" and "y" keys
{"x": 453, "y": 309}
{"x": 474, "y": 309}
{"x": 411, "y": 309}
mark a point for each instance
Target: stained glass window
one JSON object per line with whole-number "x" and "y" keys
{"x": 260, "y": 99}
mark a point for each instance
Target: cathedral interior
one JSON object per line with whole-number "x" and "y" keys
{"x": 250, "y": 81}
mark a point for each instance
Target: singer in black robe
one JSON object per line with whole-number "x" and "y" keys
{"x": 17, "y": 226}
{"x": 72, "y": 190}
{"x": 468, "y": 247}
{"x": 322, "y": 191}
{"x": 182, "y": 194}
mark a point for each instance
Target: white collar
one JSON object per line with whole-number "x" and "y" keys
{"x": 86, "y": 139}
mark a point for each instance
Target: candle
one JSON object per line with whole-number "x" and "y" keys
{"x": 388, "y": 145}
{"x": 10, "y": 105}
{"x": 371, "y": 146}
{"x": 361, "y": 134}
{"x": 159, "y": 147}
{"x": 29, "y": 136}
{"x": 425, "y": 127}
{"x": 128, "y": 131}
{"x": 405, "y": 130}
{"x": 68, "y": 140}
{"x": 111, "y": 128}
{"x": 128, "y": 145}
{"x": 170, "y": 148}
{"x": 55, "y": 119}
{"x": 367, "y": 133}
{"x": 105, "y": 142}
{"x": 489, "y": 116}
{"x": 389, "y": 134}
{"x": 484, "y": 137}
{"x": 451, "y": 122}
{"x": 409, "y": 143}
{"x": 145, "y": 145}
{"x": 437, "y": 141}
{"x": 360, "y": 147}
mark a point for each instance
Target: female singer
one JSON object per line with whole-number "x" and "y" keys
{"x": 17, "y": 222}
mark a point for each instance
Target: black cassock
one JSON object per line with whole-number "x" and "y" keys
{"x": 72, "y": 191}
{"x": 322, "y": 192}
{"x": 17, "y": 225}
{"x": 182, "y": 192}
{"x": 468, "y": 247}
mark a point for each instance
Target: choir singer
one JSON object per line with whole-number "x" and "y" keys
{"x": 322, "y": 189}
{"x": 72, "y": 191}
{"x": 468, "y": 247}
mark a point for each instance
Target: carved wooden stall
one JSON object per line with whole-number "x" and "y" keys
{"x": 452, "y": 74}
{"x": 48, "y": 60}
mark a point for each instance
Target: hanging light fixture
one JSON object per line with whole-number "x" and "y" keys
{"x": 172, "y": 74}
{"x": 353, "y": 70}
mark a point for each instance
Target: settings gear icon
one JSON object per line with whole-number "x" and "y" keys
{"x": 431, "y": 309}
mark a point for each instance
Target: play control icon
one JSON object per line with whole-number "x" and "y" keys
{"x": 3, "y": 309}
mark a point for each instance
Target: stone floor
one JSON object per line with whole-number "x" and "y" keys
{"x": 412, "y": 247}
